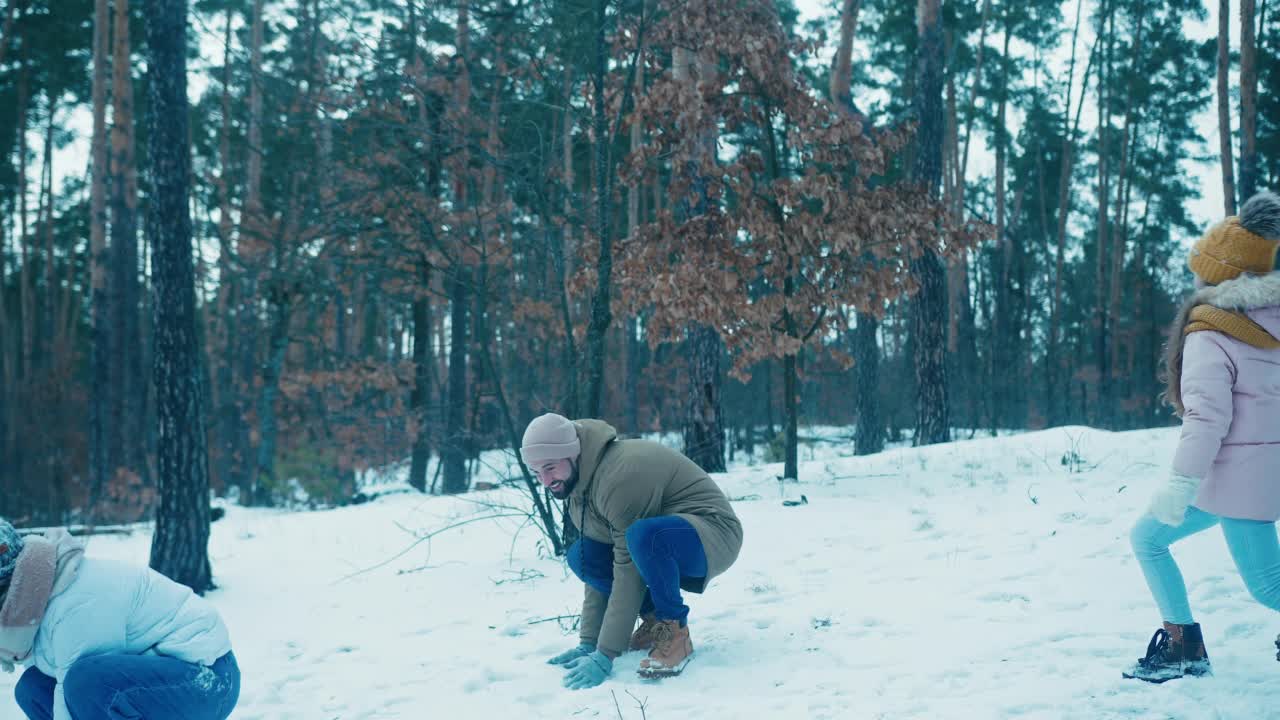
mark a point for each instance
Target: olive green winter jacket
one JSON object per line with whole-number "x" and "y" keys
{"x": 622, "y": 481}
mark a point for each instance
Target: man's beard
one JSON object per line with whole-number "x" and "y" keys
{"x": 567, "y": 486}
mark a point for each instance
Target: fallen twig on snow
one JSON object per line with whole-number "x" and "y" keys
{"x": 421, "y": 539}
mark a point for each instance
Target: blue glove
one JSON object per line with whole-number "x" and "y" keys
{"x": 588, "y": 671}
{"x": 569, "y": 656}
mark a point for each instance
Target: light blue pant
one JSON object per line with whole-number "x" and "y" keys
{"x": 1253, "y": 545}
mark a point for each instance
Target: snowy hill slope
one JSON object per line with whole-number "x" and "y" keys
{"x": 978, "y": 579}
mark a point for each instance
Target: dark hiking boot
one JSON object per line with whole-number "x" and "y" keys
{"x": 642, "y": 638}
{"x": 671, "y": 651}
{"x": 1174, "y": 651}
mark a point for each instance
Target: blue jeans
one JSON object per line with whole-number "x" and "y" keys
{"x": 127, "y": 687}
{"x": 1253, "y": 545}
{"x": 665, "y": 550}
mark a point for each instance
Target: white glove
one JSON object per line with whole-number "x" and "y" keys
{"x": 1169, "y": 504}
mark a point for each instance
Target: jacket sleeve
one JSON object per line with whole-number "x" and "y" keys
{"x": 1208, "y": 376}
{"x": 628, "y": 502}
{"x": 83, "y": 632}
{"x": 593, "y": 605}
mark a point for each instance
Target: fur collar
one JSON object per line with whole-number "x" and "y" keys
{"x": 1247, "y": 292}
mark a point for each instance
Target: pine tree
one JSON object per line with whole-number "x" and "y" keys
{"x": 179, "y": 547}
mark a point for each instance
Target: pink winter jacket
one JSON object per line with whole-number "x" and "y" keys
{"x": 1231, "y": 392}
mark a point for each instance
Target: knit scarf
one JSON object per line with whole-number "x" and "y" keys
{"x": 1221, "y": 309}
{"x": 45, "y": 568}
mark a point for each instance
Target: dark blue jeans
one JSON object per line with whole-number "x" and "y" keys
{"x": 129, "y": 687}
{"x": 665, "y": 550}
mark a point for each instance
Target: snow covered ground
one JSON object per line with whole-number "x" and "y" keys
{"x": 988, "y": 578}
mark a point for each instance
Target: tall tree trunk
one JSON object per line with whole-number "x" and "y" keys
{"x": 253, "y": 177}
{"x": 870, "y": 427}
{"x": 704, "y": 420}
{"x": 1248, "y": 101}
{"x": 45, "y": 225}
{"x": 6, "y": 29}
{"x": 841, "y": 87}
{"x": 420, "y": 399}
{"x": 999, "y": 380}
{"x": 1101, "y": 410}
{"x": 1121, "y": 210}
{"x": 130, "y": 387}
{"x": 704, "y": 429}
{"x": 179, "y": 547}
{"x": 223, "y": 341}
{"x": 264, "y": 481}
{"x": 101, "y": 460}
{"x": 601, "y": 314}
{"x": 26, "y": 294}
{"x": 929, "y": 316}
{"x": 561, "y": 245}
{"x": 454, "y": 454}
{"x": 1224, "y": 108}
{"x": 791, "y": 388}
{"x": 632, "y": 326}
{"x": 869, "y": 435}
{"x": 974, "y": 90}
{"x": 250, "y": 242}
{"x": 1069, "y": 131}
{"x": 635, "y": 348}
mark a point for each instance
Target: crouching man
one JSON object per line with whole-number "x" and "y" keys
{"x": 652, "y": 523}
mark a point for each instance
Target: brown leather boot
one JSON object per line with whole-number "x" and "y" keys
{"x": 1174, "y": 651}
{"x": 671, "y": 651}
{"x": 642, "y": 638}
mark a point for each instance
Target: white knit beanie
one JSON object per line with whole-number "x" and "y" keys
{"x": 550, "y": 437}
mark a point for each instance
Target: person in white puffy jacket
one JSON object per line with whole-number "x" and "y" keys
{"x": 106, "y": 640}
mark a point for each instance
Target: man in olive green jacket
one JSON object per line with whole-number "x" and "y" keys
{"x": 652, "y": 523}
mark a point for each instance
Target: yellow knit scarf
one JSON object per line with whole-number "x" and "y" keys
{"x": 1236, "y": 324}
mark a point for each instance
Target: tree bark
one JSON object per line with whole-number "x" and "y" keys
{"x": 6, "y": 30}
{"x": 1069, "y": 130}
{"x": 601, "y": 313}
{"x": 791, "y": 388}
{"x": 1225, "y": 152}
{"x": 101, "y": 459}
{"x": 253, "y": 176}
{"x": 704, "y": 428}
{"x": 264, "y": 481}
{"x": 1248, "y": 101}
{"x": 26, "y": 295}
{"x": 423, "y": 357}
{"x": 869, "y": 433}
{"x": 560, "y": 252}
{"x": 1004, "y": 352}
{"x": 929, "y": 316}
{"x": 454, "y": 454}
{"x": 420, "y": 398}
{"x": 704, "y": 437}
{"x": 841, "y": 88}
{"x": 130, "y": 387}
{"x": 223, "y": 341}
{"x": 1101, "y": 409}
{"x": 179, "y": 547}
{"x": 1120, "y": 236}
{"x": 973, "y": 100}
{"x": 249, "y": 251}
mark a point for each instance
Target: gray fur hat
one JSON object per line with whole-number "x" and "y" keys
{"x": 1260, "y": 215}
{"x": 10, "y": 547}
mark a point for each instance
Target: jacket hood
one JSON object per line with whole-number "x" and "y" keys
{"x": 595, "y": 437}
{"x": 1256, "y": 295}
